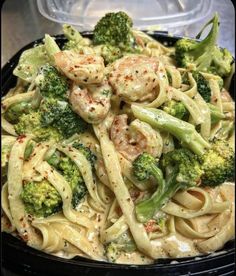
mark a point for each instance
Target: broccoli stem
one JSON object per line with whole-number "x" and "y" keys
{"x": 216, "y": 114}
{"x": 51, "y": 46}
{"x": 203, "y": 61}
{"x": 183, "y": 131}
{"x": 71, "y": 33}
{"x": 146, "y": 209}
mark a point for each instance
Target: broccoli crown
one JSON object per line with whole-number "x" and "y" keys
{"x": 86, "y": 151}
{"x": 182, "y": 47}
{"x": 51, "y": 83}
{"x": 72, "y": 174}
{"x": 60, "y": 115}
{"x": 217, "y": 163}
{"x": 15, "y": 110}
{"x": 114, "y": 29}
{"x": 204, "y": 55}
{"x": 123, "y": 243}
{"x": 141, "y": 166}
{"x": 202, "y": 86}
{"x": 31, "y": 124}
{"x": 176, "y": 109}
{"x": 185, "y": 164}
{"x": 41, "y": 198}
{"x": 111, "y": 53}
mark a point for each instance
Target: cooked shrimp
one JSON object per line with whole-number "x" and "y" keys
{"x": 134, "y": 77}
{"x": 135, "y": 139}
{"x": 83, "y": 69}
{"x": 92, "y": 102}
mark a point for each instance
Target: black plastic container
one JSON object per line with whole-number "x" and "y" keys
{"x": 23, "y": 260}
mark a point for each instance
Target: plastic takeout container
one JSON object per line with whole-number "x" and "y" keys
{"x": 147, "y": 15}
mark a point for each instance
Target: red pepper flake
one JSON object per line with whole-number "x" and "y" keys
{"x": 149, "y": 226}
{"x": 20, "y": 138}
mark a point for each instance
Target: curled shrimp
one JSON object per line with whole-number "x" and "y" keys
{"x": 92, "y": 102}
{"x": 83, "y": 69}
{"x": 135, "y": 139}
{"x": 134, "y": 78}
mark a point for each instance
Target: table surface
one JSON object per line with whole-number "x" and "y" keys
{"x": 22, "y": 23}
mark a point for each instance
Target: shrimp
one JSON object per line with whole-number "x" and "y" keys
{"x": 134, "y": 78}
{"x": 135, "y": 139}
{"x": 92, "y": 102}
{"x": 83, "y": 69}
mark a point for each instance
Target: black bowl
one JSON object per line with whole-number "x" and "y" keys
{"x": 20, "y": 258}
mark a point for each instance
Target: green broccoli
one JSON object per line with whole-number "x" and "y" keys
{"x": 217, "y": 163}
{"x": 183, "y": 131}
{"x": 91, "y": 157}
{"x": 51, "y": 83}
{"x": 31, "y": 124}
{"x": 74, "y": 37}
{"x": 216, "y": 114}
{"x": 30, "y": 61}
{"x": 15, "y": 110}
{"x": 41, "y": 198}
{"x": 114, "y": 29}
{"x": 110, "y": 53}
{"x": 124, "y": 243}
{"x": 182, "y": 171}
{"x": 176, "y": 109}
{"x": 71, "y": 172}
{"x": 29, "y": 149}
{"x": 202, "y": 86}
{"x": 51, "y": 47}
{"x": 204, "y": 55}
{"x": 59, "y": 115}
{"x": 188, "y": 137}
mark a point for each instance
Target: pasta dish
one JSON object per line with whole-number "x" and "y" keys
{"x": 118, "y": 148}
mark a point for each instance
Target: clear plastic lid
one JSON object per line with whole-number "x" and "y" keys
{"x": 146, "y": 14}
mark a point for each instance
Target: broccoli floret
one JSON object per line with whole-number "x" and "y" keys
{"x": 31, "y": 124}
{"x": 176, "y": 109}
{"x": 182, "y": 171}
{"x": 217, "y": 163}
{"x": 202, "y": 86}
{"x": 204, "y": 55}
{"x": 71, "y": 172}
{"x": 86, "y": 151}
{"x": 51, "y": 83}
{"x": 41, "y": 198}
{"x": 59, "y": 115}
{"x": 114, "y": 29}
{"x": 110, "y": 53}
{"x": 14, "y": 111}
{"x": 183, "y": 131}
{"x": 123, "y": 243}
{"x": 73, "y": 176}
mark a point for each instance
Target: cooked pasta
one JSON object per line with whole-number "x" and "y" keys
{"x": 72, "y": 191}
